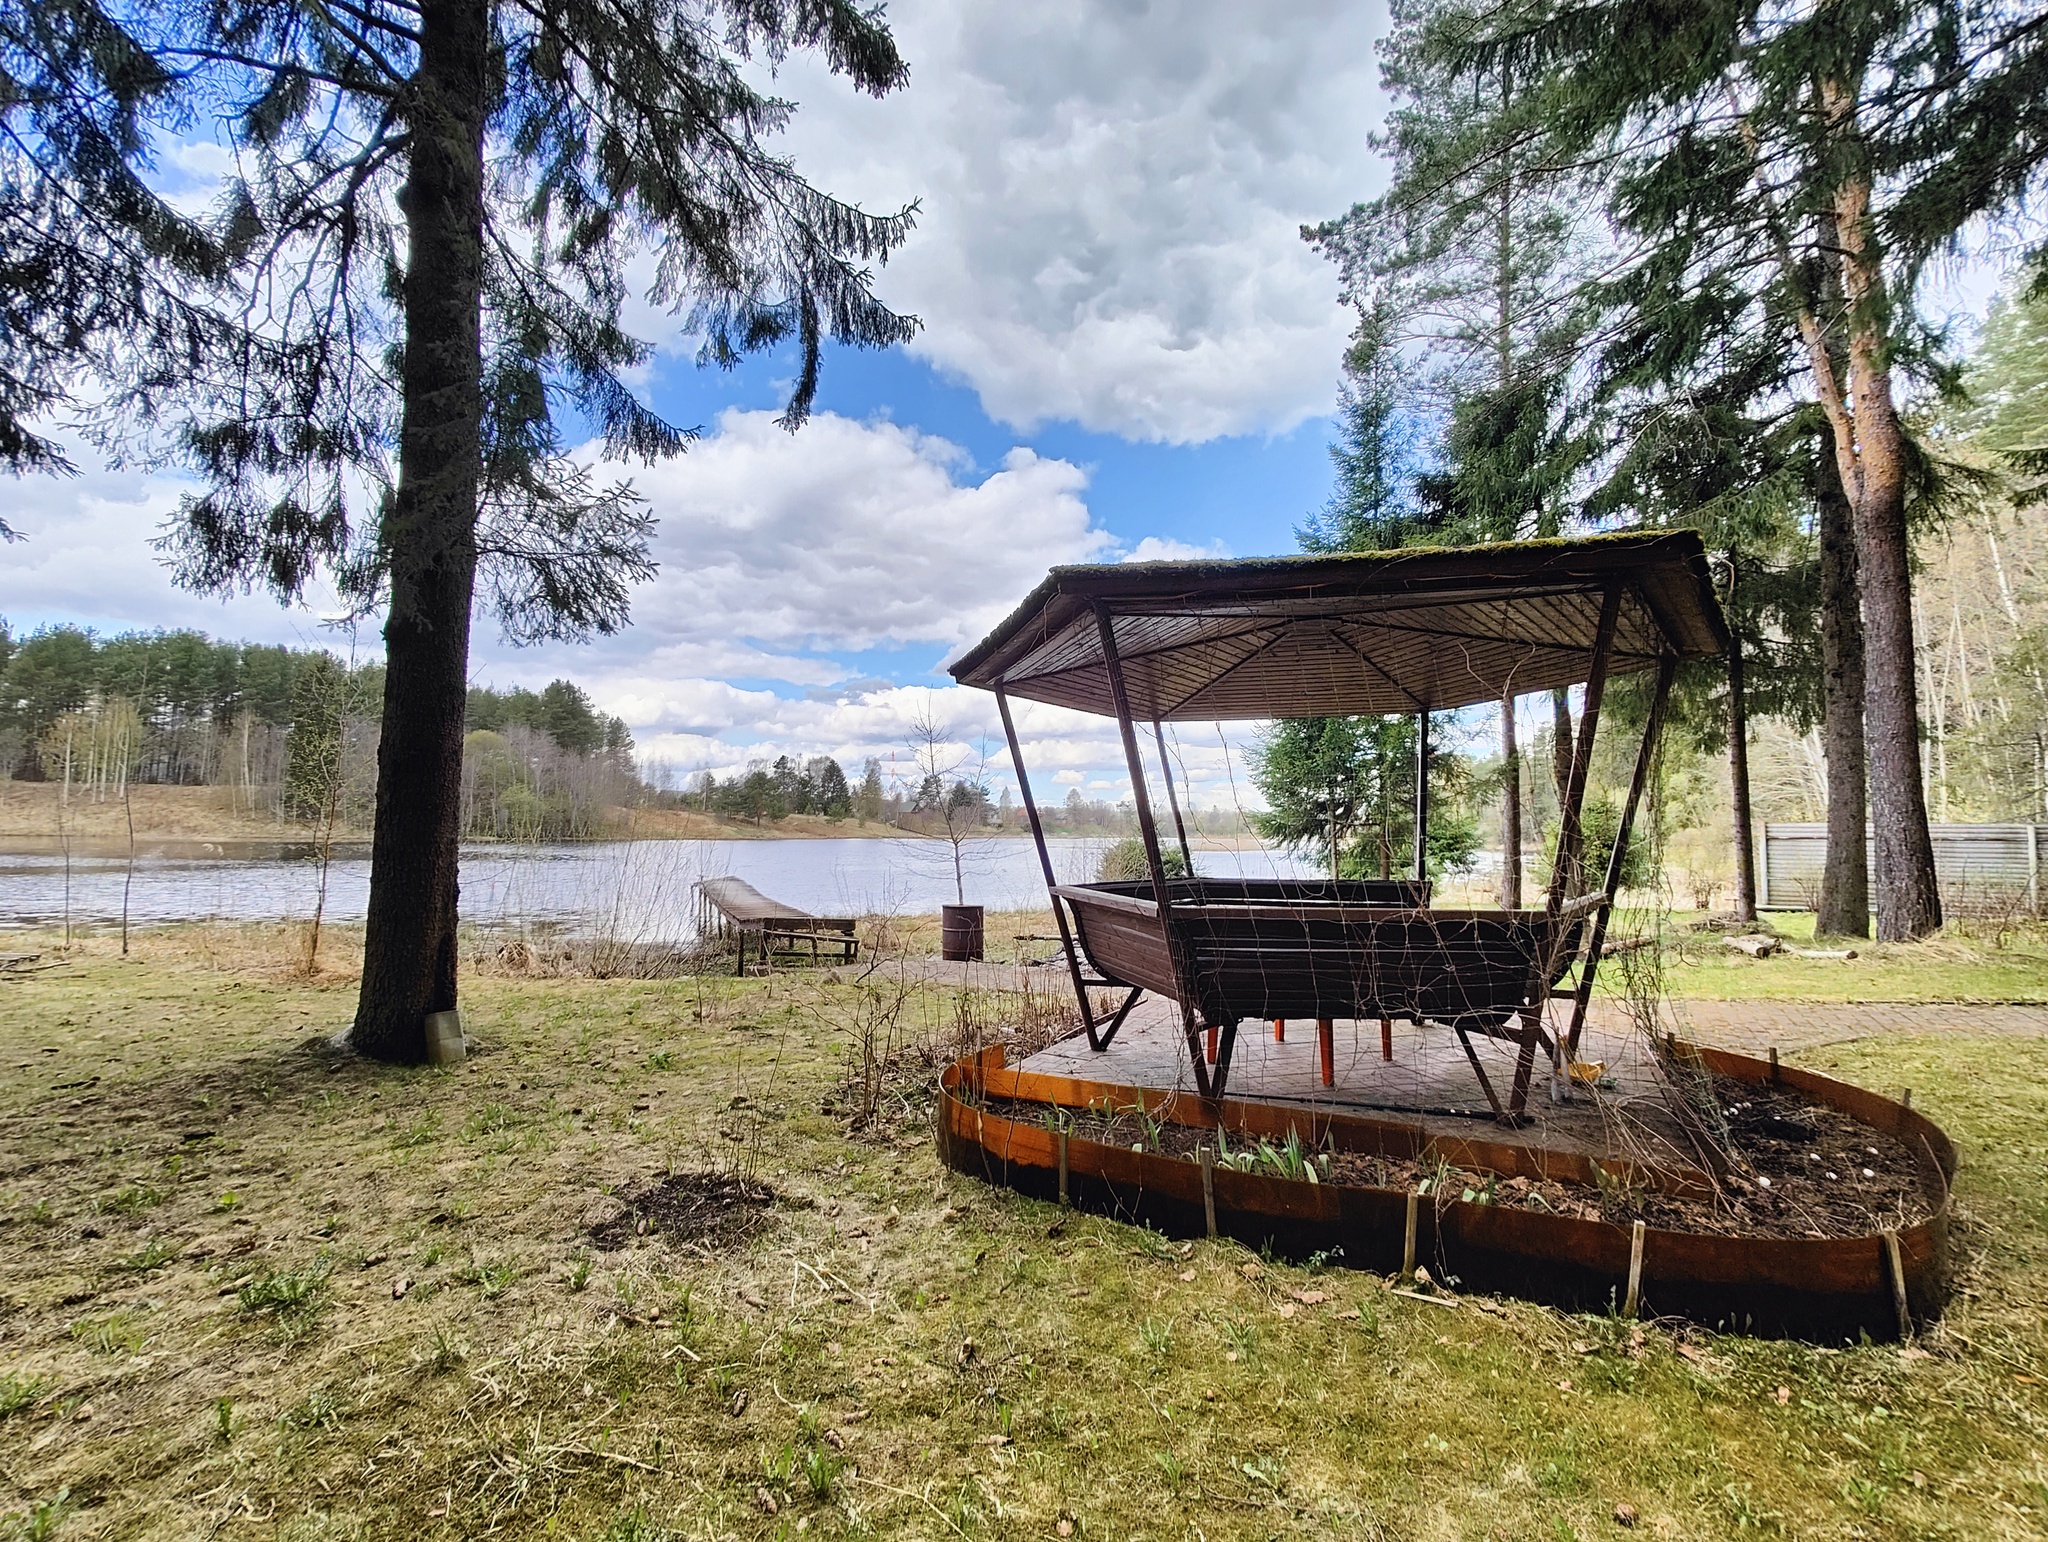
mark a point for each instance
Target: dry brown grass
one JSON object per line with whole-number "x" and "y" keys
{"x": 29, "y": 812}
{"x": 204, "y": 1210}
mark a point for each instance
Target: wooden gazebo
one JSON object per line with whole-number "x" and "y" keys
{"x": 1415, "y": 631}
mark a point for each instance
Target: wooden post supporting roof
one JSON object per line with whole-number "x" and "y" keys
{"x": 1148, "y": 832}
{"x": 1059, "y": 912}
{"x": 1422, "y": 796}
{"x": 1570, "y": 833}
{"x": 1646, "y": 754}
{"x": 1180, "y": 828}
{"x": 1570, "y": 843}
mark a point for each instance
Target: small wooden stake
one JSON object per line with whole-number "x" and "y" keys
{"x": 1635, "y": 1271}
{"x": 1279, "y": 1030}
{"x": 1063, "y": 1167}
{"x": 1208, "y": 1188}
{"x": 1774, "y": 1062}
{"x": 1906, "y": 1098}
{"x": 1898, "y": 1273}
{"x": 1326, "y": 1050}
{"x": 1386, "y": 1038}
{"x": 1212, "y": 1044}
{"x": 1408, "y": 1237}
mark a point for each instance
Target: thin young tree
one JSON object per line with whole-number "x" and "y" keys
{"x": 948, "y": 806}
{"x": 446, "y": 197}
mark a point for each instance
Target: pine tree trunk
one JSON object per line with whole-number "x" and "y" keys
{"x": 1510, "y": 809}
{"x": 1738, "y": 783}
{"x": 1908, "y": 900}
{"x": 1844, "y": 909}
{"x": 409, "y": 947}
{"x": 1872, "y": 456}
{"x": 1562, "y": 742}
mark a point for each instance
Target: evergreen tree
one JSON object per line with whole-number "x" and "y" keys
{"x": 834, "y": 797}
{"x": 1380, "y": 427}
{"x": 403, "y": 309}
{"x": 53, "y": 671}
{"x": 1471, "y": 256}
{"x": 868, "y": 801}
{"x": 313, "y": 753}
{"x": 792, "y": 791}
{"x": 1794, "y": 172}
{"x": 1339, "y": 788}
{"x": 567, "y": 717}
{"x": 2008, "y": 375}
{"x": 92, "y": 259}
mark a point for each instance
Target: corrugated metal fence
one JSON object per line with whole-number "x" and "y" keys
{"x": 1983, "y": 869}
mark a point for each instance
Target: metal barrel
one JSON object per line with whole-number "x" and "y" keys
{"x": 960, "y": 932}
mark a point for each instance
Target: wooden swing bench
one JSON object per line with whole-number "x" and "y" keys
{"x": 1472, "y": 971}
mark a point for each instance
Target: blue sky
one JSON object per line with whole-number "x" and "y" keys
{"x": 1246, "y": 491}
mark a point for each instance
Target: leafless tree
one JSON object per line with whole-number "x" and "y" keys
{"x": 946, "y": 805}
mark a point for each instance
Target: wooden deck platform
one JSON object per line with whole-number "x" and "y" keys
{"x": 1428, "y": 1080}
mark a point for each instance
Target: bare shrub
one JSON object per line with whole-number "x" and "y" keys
{"x": 873, "y": 1060}
{"x": 900, "y": 1036}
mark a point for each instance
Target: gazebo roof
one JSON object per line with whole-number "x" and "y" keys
{"x": 1372, "y": 632}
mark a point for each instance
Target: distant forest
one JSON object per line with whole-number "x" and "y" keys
{"x": 290, "y": 731}
{"x": 766, "y": 793}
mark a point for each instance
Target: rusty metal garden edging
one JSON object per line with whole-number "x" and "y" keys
{"x": 1825, "y": 1289}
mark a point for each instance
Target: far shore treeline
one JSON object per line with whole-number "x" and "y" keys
{"x": 291, "y": 734}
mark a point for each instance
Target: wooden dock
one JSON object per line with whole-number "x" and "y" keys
{"x": 732, "y": 908}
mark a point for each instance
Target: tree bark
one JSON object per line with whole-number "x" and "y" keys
{"x": 1908, "y": 898}
{"x": 1844, "y": 908}
{"x": 1510, "y": 809}
{"x": 1738, "y": 778}
{"x": 1562, "y": 739}
{"x": 409, "y": 947}
{"x": 1870, "y": 453}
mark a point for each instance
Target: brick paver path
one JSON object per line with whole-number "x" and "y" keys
{"x": 1748, "y": 1027}
{"x": 1752, "y": 1027}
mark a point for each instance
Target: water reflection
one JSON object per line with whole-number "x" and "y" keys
{"x": 621, "y": 888}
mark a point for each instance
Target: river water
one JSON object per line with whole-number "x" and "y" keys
{"x": 637, "y": 889}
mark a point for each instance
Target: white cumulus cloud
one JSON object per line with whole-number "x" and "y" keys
{"x": 777, "y": 550}
{"x": 1111, "y": 199}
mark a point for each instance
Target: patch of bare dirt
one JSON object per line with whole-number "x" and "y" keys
{"x": 692, "y": 1209}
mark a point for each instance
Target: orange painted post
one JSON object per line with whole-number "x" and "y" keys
{"x": 1279, "y": 1030}
{"x": 1212, "y": 1044}
{"x": 1326, "y": 1050}
{"x": 1386, "y": 1038}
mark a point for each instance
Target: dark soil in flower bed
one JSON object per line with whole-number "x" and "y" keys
{"x": 1794, "y": 1168}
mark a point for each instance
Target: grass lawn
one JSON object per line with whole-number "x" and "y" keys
{"x": 205, "y": 1214}
{"x": 1969, "y": 962}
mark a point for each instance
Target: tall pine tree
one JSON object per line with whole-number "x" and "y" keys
{"x": 1471, "y": 259}
{"x": 446, "y": 196}
{"x": 1818, "y": 157}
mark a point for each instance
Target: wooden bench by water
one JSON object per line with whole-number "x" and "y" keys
{"x": 732, "y": 908}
